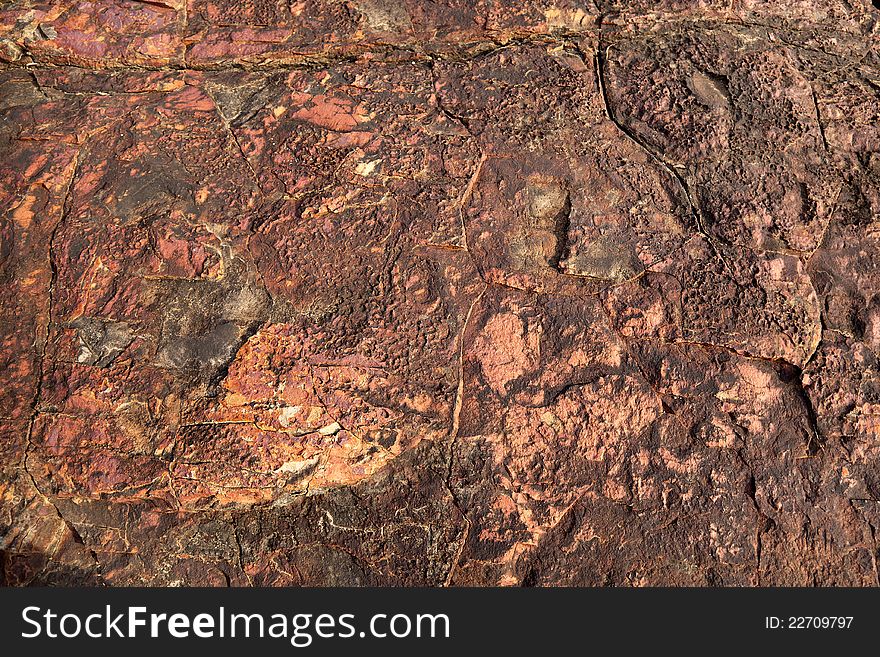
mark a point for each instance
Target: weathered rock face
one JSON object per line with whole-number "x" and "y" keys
{"x": 401, "y": 292}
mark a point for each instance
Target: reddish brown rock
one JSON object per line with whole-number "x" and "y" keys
{"x": 399, "y": 292}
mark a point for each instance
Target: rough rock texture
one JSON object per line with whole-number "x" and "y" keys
{"x": 440, "y": 292}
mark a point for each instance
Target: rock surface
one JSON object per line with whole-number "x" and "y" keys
{"x": 414, "y": 292}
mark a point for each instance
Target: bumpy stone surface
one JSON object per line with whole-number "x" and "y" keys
{"x": 413, "y": 292}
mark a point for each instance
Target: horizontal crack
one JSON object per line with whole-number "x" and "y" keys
{"x": 629, "y": 26}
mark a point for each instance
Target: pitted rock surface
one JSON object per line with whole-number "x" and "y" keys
{"x": 405, "y": 292}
